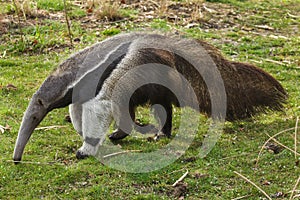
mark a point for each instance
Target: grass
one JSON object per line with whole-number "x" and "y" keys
{"x": 55, "y": 5}
{"x": 53, "y": 172}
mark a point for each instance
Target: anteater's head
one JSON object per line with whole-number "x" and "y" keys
{"x": 53, "y": 93}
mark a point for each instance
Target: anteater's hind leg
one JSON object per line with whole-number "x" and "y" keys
{"x": 163, "y": 114}
{"x": 118, "y": 134}
{"x": 124, "y": 125}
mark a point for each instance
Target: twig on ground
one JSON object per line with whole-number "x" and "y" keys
{"x": 294, "y": 189}
{"x": 256, "y": 61}
{"x": 181, "y": 178}
{"x": 265, "y": 27}
{"x": 295, "y": 137}
{"x": 68, "y": 23}
{"x": 121, "y": 152}
{"x": 49, "y": 127}
{"x": 293, "y": 16}
{"x": 297, "y": 196}
{"x": 56, "y": 155}
{"x": 271, "y": 138}
{"x": 297, "y": 191}
{"x": 275, "y": 61}
{"x": 208, "y": 9}
{"x": 249, "y": 181}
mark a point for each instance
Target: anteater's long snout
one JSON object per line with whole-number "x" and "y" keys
{"x": 34, "y": 114}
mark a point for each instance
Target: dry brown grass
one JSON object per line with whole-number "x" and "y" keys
{"x": 25, "y": 8}
{"x": 162, "y": 7}
{"x": 108, "y": 10}
{"x": 195, "y": 1}
{"x": 197, "y": 14}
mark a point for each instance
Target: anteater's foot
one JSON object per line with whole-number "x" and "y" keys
{"x": 166, "y": 133}
{"x": 156, "y": 137}
{"x": 86, "y": 150}
{"x": 117, "y": 135}
{"x": 80, "y": 155}
{"x": 17, "y": 161}
{"x": 145, "y": 128}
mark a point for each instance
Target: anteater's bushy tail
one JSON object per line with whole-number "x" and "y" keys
{"x": 252, "y": 90}
{"x": 249, "y": 90}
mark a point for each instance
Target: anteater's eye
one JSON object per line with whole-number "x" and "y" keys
{"x": 40, "y": 102}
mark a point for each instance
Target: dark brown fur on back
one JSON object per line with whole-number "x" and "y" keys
{"x": 249, "y": 89}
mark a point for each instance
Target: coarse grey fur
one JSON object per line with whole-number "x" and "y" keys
{"x": 93, "y": 106}
{"x": 57, "y": 89}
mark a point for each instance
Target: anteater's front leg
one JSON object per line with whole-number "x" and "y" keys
{"x": 96, "y": 118}
{"x": 75, "y": 111}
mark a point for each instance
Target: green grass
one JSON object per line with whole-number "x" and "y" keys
{"x": 55, "y": 5}
{"x": 53, "y": 172}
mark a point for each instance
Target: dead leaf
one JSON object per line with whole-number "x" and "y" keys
{"x": 11, "y": 87}
{"x": 180, "y": 189}
{"x": 77, "y": 39}
{"x": 208, "y": 9}
{"x": 199, "y": 175}
{"x": 35, "y": 42}
{"x": 68, "y": 119}
{"x": 1, "y": 129}
{"x": 5, "y": 128}
{"x": 89, "y": 10}
{"x": 266, "y": 182}
{"x": 273, "y": 147}
{"x": 84, "y": 183}
{"x": 279, "y": 195}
